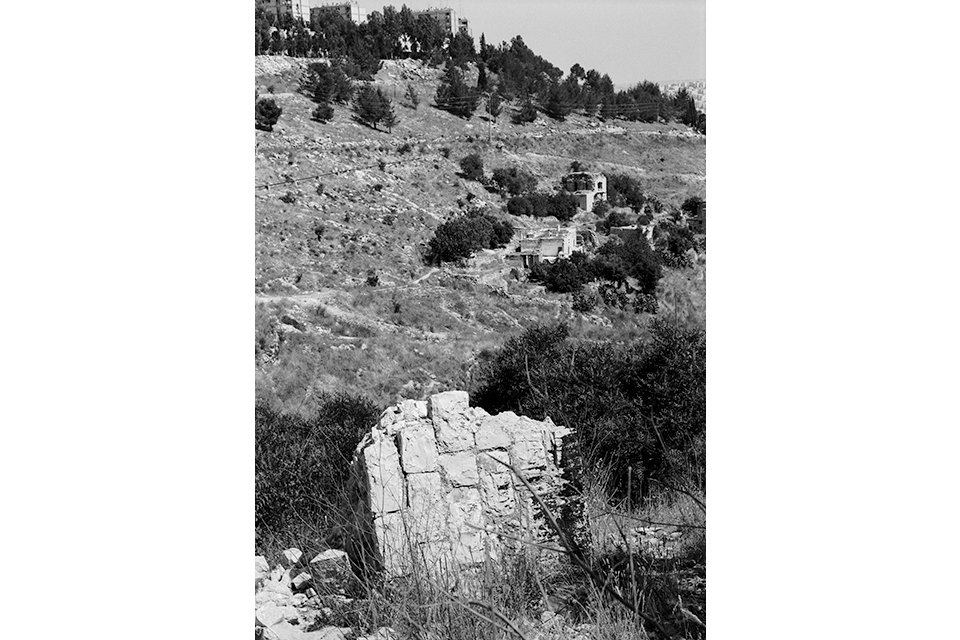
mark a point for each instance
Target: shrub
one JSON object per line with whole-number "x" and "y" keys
{"x": 527, "y": 113}
{"x": 406, "y": 147}
{"x": 288, "y": 197}
{"x": 638, "y": 405}
{"x": 302, "y": 464}
{"x": 584, "y": 302}
{"x": 563, "y": 276}
{"x": 267, "y": 114}
{"x": 601, "y": 207}
{"x": 514, "y": 180}
{"x": 472, "y": 167}
{"x": 458, "y": 239}
{"x": 625, "y": 191}
{"x": 372, "y": 278}
{"x": 561, "y": 205}
{"x": 614, "y": 219}
{"x": 323, "y": 112}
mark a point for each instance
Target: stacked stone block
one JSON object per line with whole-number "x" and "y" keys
{"x": 431, "y": 491}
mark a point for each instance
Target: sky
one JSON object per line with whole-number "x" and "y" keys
{"x": 631, "y": 40}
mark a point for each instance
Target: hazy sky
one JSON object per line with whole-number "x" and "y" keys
{"x": 632, "y": 40}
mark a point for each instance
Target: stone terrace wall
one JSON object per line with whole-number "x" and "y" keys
{"x": 426, "y": 484}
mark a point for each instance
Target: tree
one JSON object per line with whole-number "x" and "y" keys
{"x": 267, "y": 114}
{"x": 324, "y": 83}
{"x": 389, "y": 118}
{"x": 494, "y": 104}
{"x": 373, "y": 107}
{"x": 323, "y": 112}
{"x": 472, "y": 167}
{"x": 527, "y": 113}
{"x": 513, "y": 180}
{"x": 412, "y": 96}
{"x": 454, "y": 96}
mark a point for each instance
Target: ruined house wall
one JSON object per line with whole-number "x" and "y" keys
{"x": 427, "y": 486}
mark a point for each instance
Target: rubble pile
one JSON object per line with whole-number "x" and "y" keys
{"x": 294, "y": 597}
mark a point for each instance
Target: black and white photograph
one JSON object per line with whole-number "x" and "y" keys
{"x": 481, "y": 254}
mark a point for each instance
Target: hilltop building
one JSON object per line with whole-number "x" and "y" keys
{"x": 447, "y": 18}
{"x": 350, "y": 10}
{"x": 546, "y": 245}
{"x": 588, "y": 188}
{"x": 297, "y": 8}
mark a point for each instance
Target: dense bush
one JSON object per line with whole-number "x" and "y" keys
{"x": 615, "y": 262}
{"x": 635, "y": 405}
{"x": 267, "y": 114}
{"x": 302, "y": 464}
{"x": 472, "y": 167}
{"x": 514, "y": 180}
{"x": 323, "y": 112}
{"x": 625, "y": 191}
{"x": 460, "y": 238}
{"x": 674, "y": 240}
{"x": 527, "y": 113}
{"x": 614, "y": 219}
{"x": 561, "y": 205}
{"x": 562, "y": 276}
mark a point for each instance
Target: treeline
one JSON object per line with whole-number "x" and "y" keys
{"x": 520, "y": 74}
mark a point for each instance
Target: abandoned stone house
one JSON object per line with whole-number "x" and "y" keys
{"x": 588, "y": 188}
{"x": 547, "y": 245}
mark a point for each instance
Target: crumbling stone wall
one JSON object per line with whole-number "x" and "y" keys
{"x": 426, "y": 485}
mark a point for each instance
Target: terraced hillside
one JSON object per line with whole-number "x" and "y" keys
{"x": 345, "y": 301}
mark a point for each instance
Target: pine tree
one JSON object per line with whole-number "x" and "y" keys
{"x": 412, "y": 96}
{"x": 455, "y": 96}
{"x": 494, "y": 104}
{"x": 267, "y": 114}
{"x": 482, "y": 77}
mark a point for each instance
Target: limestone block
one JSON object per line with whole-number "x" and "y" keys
{"x": 464, "y": 508}
{"x": 498, "y": 493}
{"x": 394, "y": 545}
{"x": 453, "y": 428}
{"x": 262, "y": 570}
{"x": 410, "y": 409}
{"x": 292, "y": 556}
{"x": 521, "y": 427}
{"x": 424, "y": 495}
{"x": 528, "y": 454}
{"x": 421, "y": 406}
{"x": 270, "y": 614}
{"x": 460, "y": 469}
{"x": 448, "y": 402}
{"x": 332, "y": 565}
{"x": 418, "y": 449}
{"x": 488, "y": 461}
{"x": 301, "y": 581}
{"x": 491, "y": 434}
{"x": 382, "y": 462}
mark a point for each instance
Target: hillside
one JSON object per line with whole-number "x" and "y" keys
{"x": 341, "y": 208}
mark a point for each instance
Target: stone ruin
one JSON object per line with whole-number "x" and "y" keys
{"x": 426, "y": 485}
